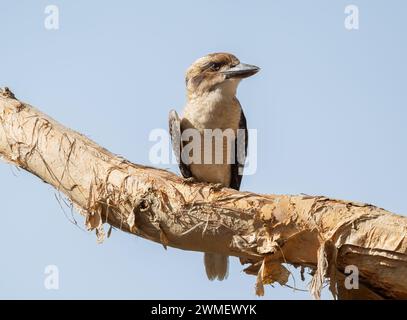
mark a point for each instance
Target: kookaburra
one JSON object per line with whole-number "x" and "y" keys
{"x": 211, "y": 84}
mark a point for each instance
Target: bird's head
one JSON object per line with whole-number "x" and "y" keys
{"x": 217, "y": 70}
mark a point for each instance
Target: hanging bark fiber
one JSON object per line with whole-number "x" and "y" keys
{"x": 265, "y": 231}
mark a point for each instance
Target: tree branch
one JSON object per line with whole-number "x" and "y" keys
{"x": 264, "y": 231}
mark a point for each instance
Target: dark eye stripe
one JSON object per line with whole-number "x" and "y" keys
{"x": 216, "y": 66}
{"x": 211, "y": 64}
{"x": 207, "y": 66}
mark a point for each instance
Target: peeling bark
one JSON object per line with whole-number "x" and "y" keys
{"x": 264, "y": 231}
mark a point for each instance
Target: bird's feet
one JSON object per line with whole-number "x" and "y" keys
{"x": 190, "y": 180}
{"x": 216, "y": 187}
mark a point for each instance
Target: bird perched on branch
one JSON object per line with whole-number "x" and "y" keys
{"x": 212, "y": 109}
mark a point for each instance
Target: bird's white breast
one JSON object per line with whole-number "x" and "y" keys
{"x": 215, "y": 110}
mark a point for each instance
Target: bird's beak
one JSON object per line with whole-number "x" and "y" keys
{"x": 242, "y": 70}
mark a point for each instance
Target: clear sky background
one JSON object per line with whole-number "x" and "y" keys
{"x": 330, "y": 107}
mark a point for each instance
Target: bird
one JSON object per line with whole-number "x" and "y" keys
{"x": 211, "y": 85}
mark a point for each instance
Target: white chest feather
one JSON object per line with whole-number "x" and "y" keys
{"x": 212, "y": 111}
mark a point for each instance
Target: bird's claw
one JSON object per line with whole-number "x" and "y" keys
{"x": 190, "y": 180}
{"x": 216, "y": 187}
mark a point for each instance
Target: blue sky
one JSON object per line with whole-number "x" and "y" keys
{"x": 329, "y": 105}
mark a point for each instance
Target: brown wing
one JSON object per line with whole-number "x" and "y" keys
{"x": 240, "y": 154}
{"x": 175, "y": 133}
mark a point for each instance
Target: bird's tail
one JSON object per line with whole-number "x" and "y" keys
{"x": 216, "y": 266}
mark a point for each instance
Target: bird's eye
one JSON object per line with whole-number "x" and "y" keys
{"x": 215, "y": 66}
